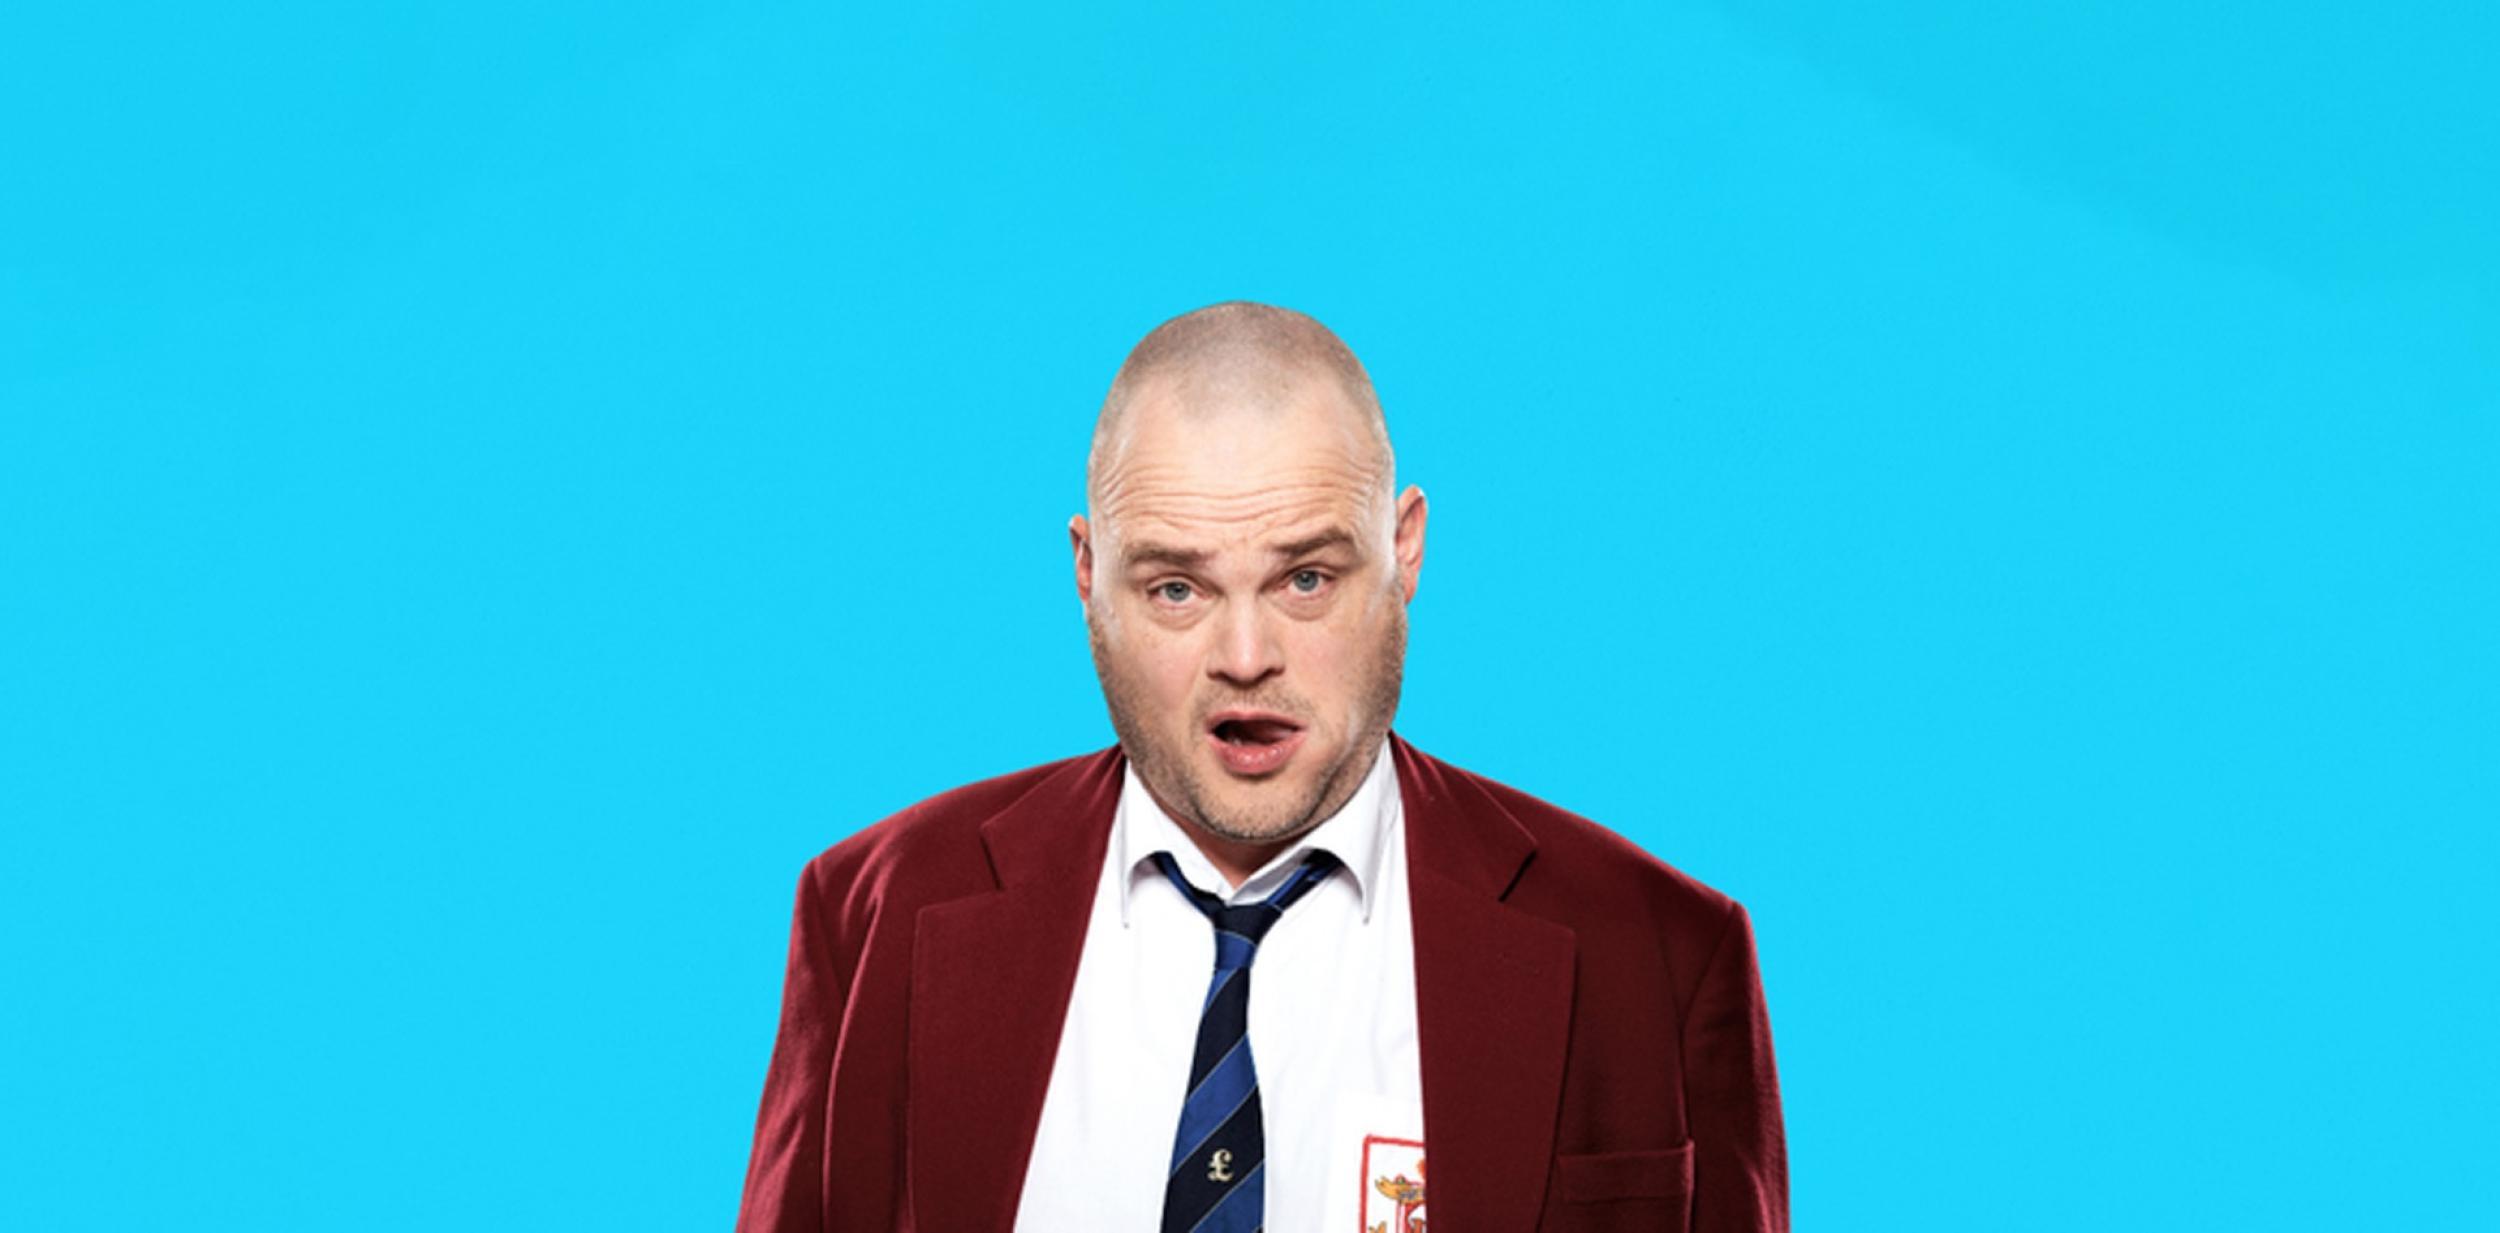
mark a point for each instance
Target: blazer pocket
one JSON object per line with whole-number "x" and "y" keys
{"x": 1595, "y": 1177}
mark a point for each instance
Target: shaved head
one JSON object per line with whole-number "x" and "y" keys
{"x": 1234, "y": 357}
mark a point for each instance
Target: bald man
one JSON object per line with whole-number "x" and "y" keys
{"x": 1029, "y": 1003}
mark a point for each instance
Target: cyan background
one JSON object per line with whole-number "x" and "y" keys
{"x": 487, "y": 491}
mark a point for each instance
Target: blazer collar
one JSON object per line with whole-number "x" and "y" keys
{"x": 992, "y": 973}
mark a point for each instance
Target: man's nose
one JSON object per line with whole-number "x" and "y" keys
{"x": 1246, "y": 651}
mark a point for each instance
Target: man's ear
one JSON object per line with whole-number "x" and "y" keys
{"x": 1081, "y": 542}
{"x": 1410, "y": 541}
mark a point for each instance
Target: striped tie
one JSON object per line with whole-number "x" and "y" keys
{"x": 1214, "y": 1184}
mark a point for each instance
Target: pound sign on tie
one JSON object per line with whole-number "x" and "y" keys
{"x": 1219, "y": 1165}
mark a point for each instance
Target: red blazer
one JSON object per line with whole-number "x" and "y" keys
{"x": 1594, "y": 1046}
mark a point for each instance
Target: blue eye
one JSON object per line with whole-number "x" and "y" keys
{"x": 1167, "y": 589}
{"x": 1316, "y": 578}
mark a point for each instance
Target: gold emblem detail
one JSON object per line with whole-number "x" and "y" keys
{"x": 1220, "y": 1165}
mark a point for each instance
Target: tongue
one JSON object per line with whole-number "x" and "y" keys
{"x": 1257, "y": 731}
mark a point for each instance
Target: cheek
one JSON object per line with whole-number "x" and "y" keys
{"x": 1326, "y": 658}
{"x": 1164, "y": 662}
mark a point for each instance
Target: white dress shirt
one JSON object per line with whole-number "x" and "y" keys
{"x": 1332, "y": 1027}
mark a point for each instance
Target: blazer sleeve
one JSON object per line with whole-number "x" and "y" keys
{"x": 1740, "y": 1153}
{"x": 785, "y": 1174}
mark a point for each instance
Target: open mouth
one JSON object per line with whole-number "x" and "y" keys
{"x": 1254, "y": 731}
{"x": 1253, "y": 742}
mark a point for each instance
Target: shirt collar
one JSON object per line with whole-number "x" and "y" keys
{"x": 1357, "y": 834}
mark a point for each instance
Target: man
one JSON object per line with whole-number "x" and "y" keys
{"x": 1027, "y": 1004}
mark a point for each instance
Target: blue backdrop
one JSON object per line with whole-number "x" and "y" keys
{"x": 487, "y": 491}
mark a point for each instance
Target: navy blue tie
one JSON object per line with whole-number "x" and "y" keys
{"x": 1214, "y": 1185}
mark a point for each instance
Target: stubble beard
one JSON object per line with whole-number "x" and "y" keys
{"x": 1174, "y": 777}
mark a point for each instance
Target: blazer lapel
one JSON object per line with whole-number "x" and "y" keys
{"x": 991, "y": 977}
{"x": 1493, "y": 991}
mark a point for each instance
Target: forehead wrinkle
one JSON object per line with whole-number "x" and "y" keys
{"x": 1330, "y": 456}
{"x": 1178, "y": 484}
{"x": 1267, "y": 527}
{"x": 1138, "y": 444}
{"x": 1236, "y": 514}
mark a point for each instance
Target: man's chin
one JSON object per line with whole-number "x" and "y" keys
{"x": 1234, "y": 829}
{"x": 1265, "y": 811}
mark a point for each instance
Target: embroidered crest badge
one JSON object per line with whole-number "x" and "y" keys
{"x": 1393, "y": 1185}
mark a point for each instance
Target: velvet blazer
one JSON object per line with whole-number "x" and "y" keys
{"x": 1595, "y": 1050}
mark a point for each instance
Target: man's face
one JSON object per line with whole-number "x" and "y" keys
{"x": 1245, "y": 587}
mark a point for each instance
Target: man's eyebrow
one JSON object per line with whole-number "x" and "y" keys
{"x": 1148, "y": 552}
{"x": 1333, "y": 537}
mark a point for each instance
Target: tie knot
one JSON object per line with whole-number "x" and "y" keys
{"x": 1239, "y": 927}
